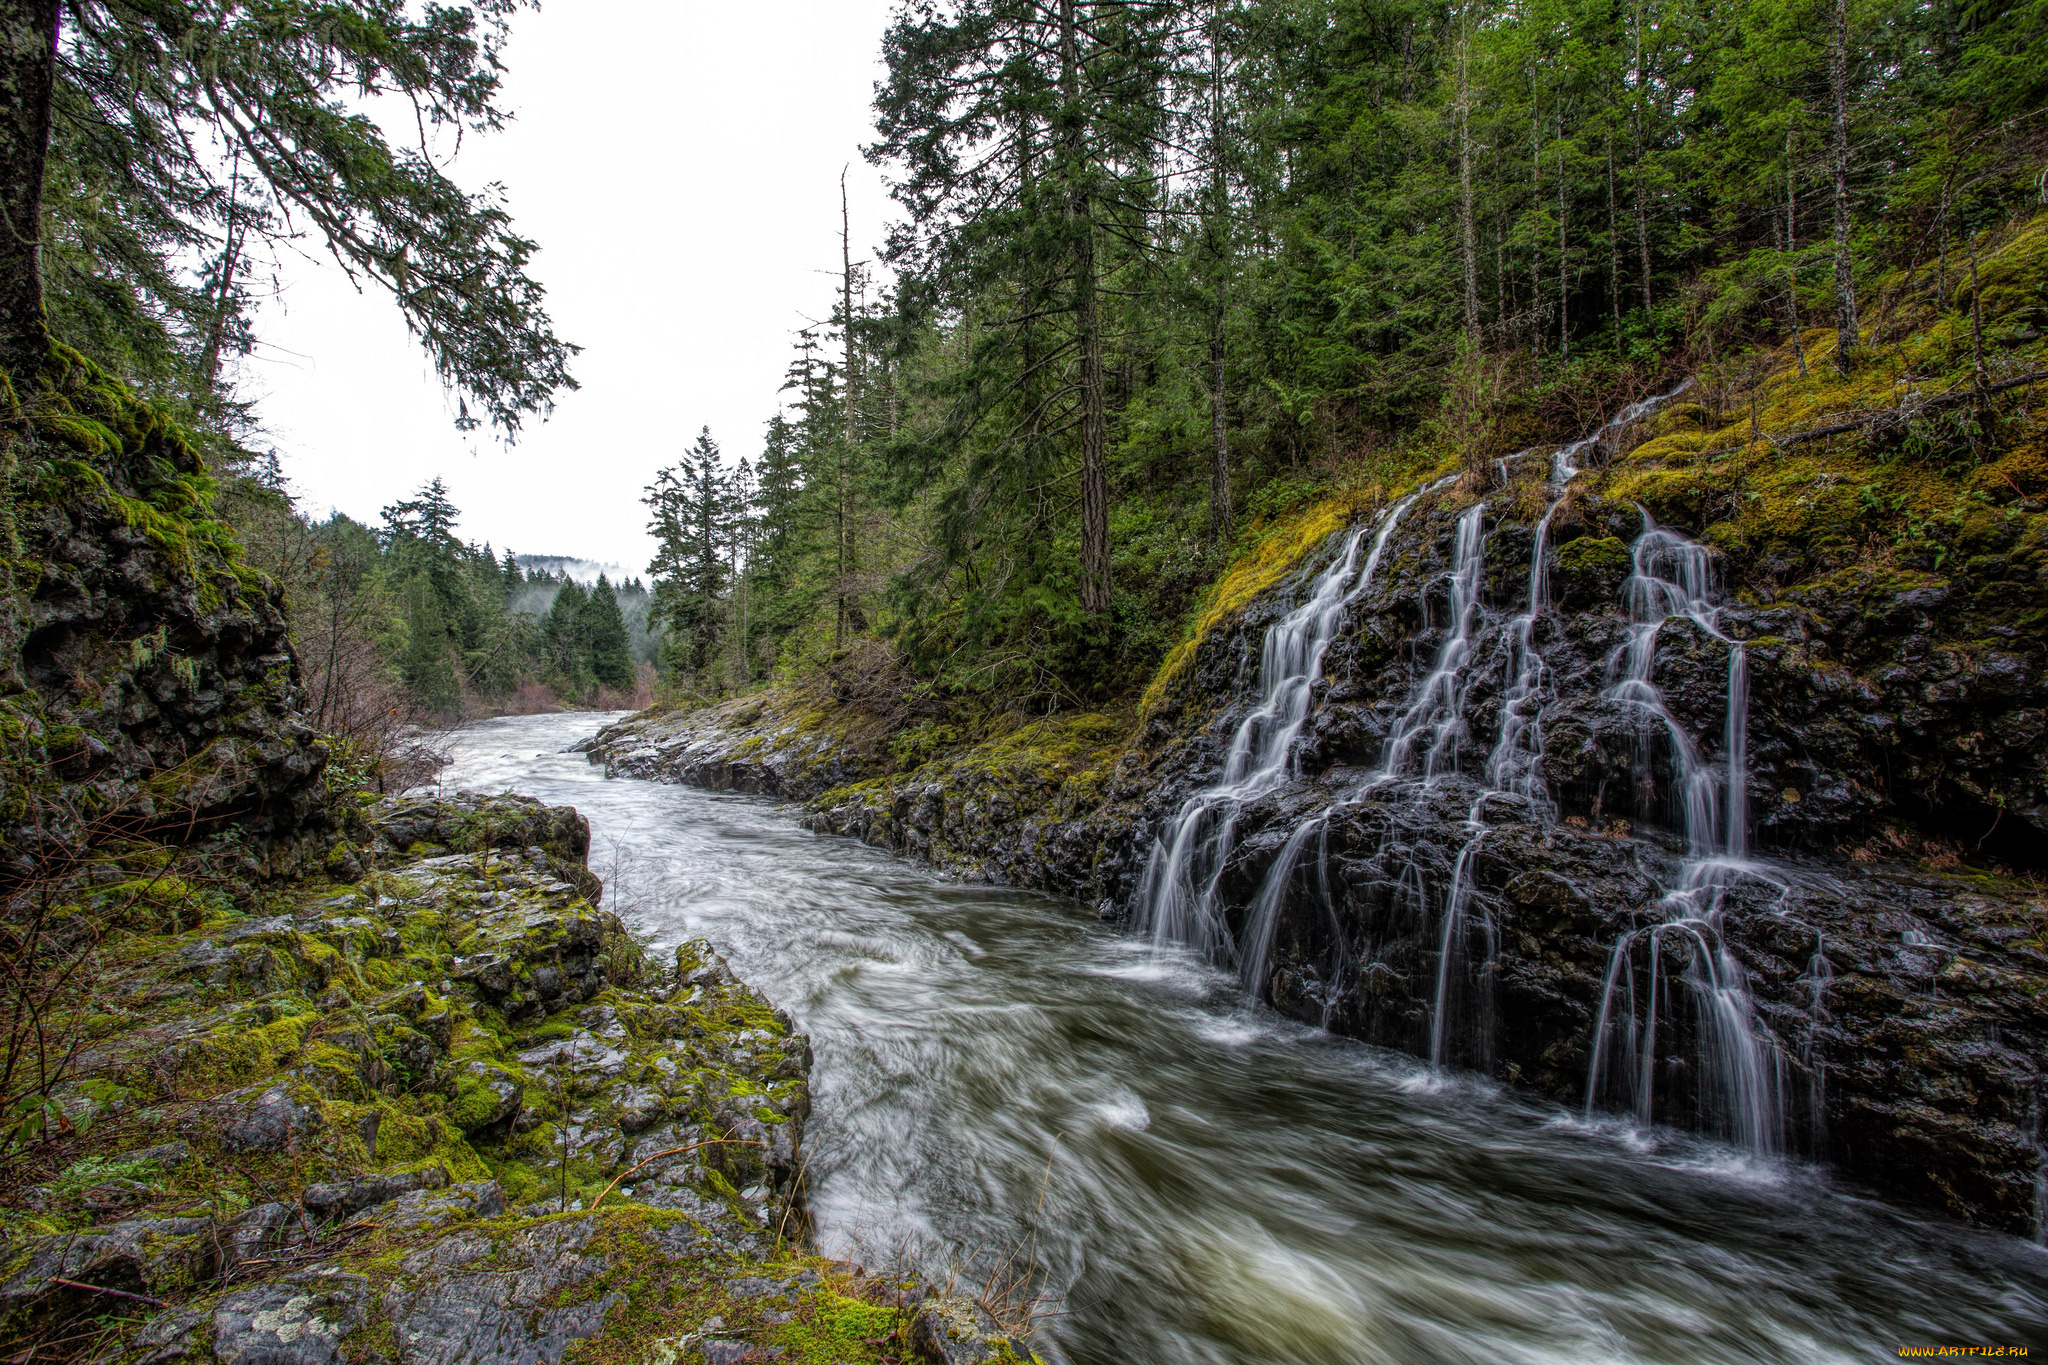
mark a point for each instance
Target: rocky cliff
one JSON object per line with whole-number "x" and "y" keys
{"x": 1695, "y": 770}
{"x": 146, "y": 679}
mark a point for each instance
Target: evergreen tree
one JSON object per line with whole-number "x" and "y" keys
{"x": 111, "y": 174}
{"x": 1028, "y": 134}
{"x": 428, "y": 661}
{"x": 603, "y": 631}
{"x": 565, "y": 649}
{"x": 693, "y": 510}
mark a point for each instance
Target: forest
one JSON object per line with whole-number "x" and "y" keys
{"x": 1166, "y": 271}
{"x": 1163, "y": 272}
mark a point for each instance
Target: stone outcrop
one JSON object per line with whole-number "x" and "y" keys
{"x": 146, "y": 681}
{"x": 439, "y": 1108}
{"x": 781, "y": 745}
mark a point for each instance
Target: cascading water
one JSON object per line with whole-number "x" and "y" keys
{"x": 1001, "y": 1083}
{"x": 1515, "y": 764}
{"x": 1434, "y": 718}
{"x": 1742, "y": 1077}
{"x": 1176, "y": 900}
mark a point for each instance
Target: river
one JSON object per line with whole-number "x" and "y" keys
{"x": 1002, "y": 1080}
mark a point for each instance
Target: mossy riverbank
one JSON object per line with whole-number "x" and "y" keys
{"x": 429, "y": 1105}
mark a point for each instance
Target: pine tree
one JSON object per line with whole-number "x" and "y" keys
{"x": 565, "y": 648}
{"x": 691, "y": 502}
{"x": 603, "y": 631}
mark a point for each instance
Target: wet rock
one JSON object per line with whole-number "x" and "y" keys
{"x": 170, "y": 1336}
{"x": 144, "y": 1255}
{"x": 145, "y": 685}
{"x": 423, "y": 1209}
{"x": 475, "y": 1301}
{"x": 265, "y": 1120}
{"x": 373, "y": 1123}
{"x": 957, "y": 1332}
{"x": 298, "y": 1321}
{"x": 263, "y": 1233}
{"x": 340, "y": 1198}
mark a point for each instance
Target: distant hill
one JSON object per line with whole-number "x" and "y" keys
{"x": 584, "y": 571}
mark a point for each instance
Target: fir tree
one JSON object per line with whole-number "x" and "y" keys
{"x": 603, "y": 631}
{"x": 693, "y": 510}
{"x": 565, "y": 651}
{"x": 142, "y": 133}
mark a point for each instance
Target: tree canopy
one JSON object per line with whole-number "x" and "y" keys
{"x": 174, "y": 131}
{"x": 1166, "y": 268}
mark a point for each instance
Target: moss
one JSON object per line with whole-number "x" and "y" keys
{"x": 243, "y": 1050}
{"x": 1593, "y": 554}
{"x": 831, "y": 1327}
{"x": 1919, "y": 487}
{"x": 1276, "y": 550}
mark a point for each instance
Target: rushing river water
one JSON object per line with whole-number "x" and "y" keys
{"x": 1197, "y": 1181}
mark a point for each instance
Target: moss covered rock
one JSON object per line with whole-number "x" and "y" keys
{"x": 146, "y": 681}
{"x": 448, "y": 1110}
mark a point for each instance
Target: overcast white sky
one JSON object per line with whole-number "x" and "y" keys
{"x": 678, "y": 162}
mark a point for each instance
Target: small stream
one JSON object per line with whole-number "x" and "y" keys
{"x": 1002, "y": 1079}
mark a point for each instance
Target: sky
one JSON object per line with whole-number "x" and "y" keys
{"x": 678, "y": 161}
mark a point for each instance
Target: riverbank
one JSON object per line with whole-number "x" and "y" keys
{"x": 1738, "y": 831}
{"x": 431, "y": 1105}
{"x": 1190, "y": 1180}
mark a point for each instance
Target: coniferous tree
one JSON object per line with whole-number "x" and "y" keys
{"x": 114, "y": 109}
{"x": 1028, "y": 132}
{"x": 565, "y": 647}
{"x": 692, "y": 507}
{"x": 604, "y": 632}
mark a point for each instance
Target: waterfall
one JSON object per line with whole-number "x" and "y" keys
{"x": 1176, "y": 900}
{"x": 1516, "y": 763}
{"x": 1680, "y": 956}
{"x": 1742, "y": 1077}
{"x": 1435, "y": 712}
{"x": 1257, "y": 955}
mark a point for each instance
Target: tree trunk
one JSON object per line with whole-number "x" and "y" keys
{"x": 1635, "y": 123}
{"x": 28, "y": 72}
{"x": 1081, "y": 228}
{"x": 223, "y": 305}
{"x": 1791, "y": 248}
{"x": 1500, "y": 273}
{"x": 1613, "y": 251}
{"x": 1536, "y": 200}
{"x": 1845, "y": 279}
{"x": 1220, "y": 510}
{"x": 1564, "y": 324}
{"x": 1465, "y": 228}
{"x": 845, "y": 509}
